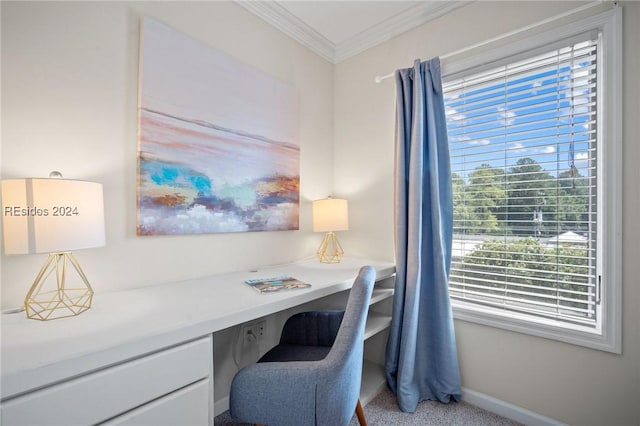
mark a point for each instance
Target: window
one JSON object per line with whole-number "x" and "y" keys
{"x": 535, "y": 163}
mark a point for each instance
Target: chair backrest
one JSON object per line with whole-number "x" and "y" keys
{"x": 338, "y": 393}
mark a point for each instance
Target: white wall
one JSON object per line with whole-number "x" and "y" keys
{"x": 565, "y": 382}
{"x": 69, "y": 101}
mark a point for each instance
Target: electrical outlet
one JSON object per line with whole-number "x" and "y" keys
{"x": 251, "y": 333}
{"x": 248, "y": 335}
{"x": 260, "y": 330}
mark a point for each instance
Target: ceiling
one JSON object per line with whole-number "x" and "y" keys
{"x": 337, "y": 30}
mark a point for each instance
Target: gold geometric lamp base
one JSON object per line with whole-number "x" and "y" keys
{"x": 50, "y": 297}
{"x": 330, "y": 250}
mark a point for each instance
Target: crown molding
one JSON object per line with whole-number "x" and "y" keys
{"x": 292, "y": 26}
{"x": 285, "y": 21}
{"x": 388, "y": 29}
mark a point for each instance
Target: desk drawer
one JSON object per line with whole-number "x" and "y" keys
{"x": 186, "y": 407}
{"x": 104, "y": 394}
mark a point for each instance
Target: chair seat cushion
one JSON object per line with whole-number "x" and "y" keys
{"x": 287, "y": 352}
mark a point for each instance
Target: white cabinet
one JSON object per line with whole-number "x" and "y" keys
{"x": 107, "y": 393}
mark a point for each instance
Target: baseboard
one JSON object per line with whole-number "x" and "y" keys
{"x": 220, "y": 406}
{"x": 505, "y": 409}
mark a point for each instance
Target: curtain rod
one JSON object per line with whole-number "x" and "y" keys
{"x": 587, "y": 6}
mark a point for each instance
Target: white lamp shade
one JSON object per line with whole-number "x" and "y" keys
{"x": 330, "y": 214}
{"x": 51, "y": 215}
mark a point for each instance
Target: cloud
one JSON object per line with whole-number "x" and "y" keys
{"x": 459, "y": 138}
{"x": 453, "y": 115}
{"x": 581, "y": 160}
{"x": 469, "y": 141}
{"x": 534, "y": 87}
{"x": 517, "y": 147}
{"x": 480, "y": 142}
{"x": 507, "y": 115}
{"x": 582, "y": 156}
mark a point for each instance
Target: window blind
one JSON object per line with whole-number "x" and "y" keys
{"x": 523, "y": 150}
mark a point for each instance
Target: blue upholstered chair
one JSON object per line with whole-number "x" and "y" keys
{"x": 312, "y": 377}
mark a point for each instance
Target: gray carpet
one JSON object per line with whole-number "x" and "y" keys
{"x": 383, "y": 411}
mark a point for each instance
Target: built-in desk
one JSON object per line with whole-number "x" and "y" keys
{"x": 145, "y": 356}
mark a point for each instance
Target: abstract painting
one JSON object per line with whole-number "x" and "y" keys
{"x": 218, "y": 143}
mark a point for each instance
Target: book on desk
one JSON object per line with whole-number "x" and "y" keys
{"x": 276, "y": 284}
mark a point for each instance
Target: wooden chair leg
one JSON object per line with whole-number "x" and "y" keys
{"x": 360, "y": 414}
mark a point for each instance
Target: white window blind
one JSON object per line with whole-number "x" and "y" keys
{"x": 523, "y": 148}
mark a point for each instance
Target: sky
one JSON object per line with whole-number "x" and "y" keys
{"x": 542, "y": 108}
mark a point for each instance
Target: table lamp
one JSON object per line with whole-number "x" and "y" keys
{"x": 53, "y": 215}
{"x": 330, "y": 215}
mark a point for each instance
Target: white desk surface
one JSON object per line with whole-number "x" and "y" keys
{"x": 126, "y": 324}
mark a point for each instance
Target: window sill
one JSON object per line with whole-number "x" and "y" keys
{"x": 535, "y": 326}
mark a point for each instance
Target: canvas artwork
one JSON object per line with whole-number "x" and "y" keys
{"x": 218, "y": 141}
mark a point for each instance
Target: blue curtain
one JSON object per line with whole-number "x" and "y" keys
{"x": 421, "y": 358}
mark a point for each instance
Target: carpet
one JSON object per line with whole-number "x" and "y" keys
{"x": 383, "y": 411}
